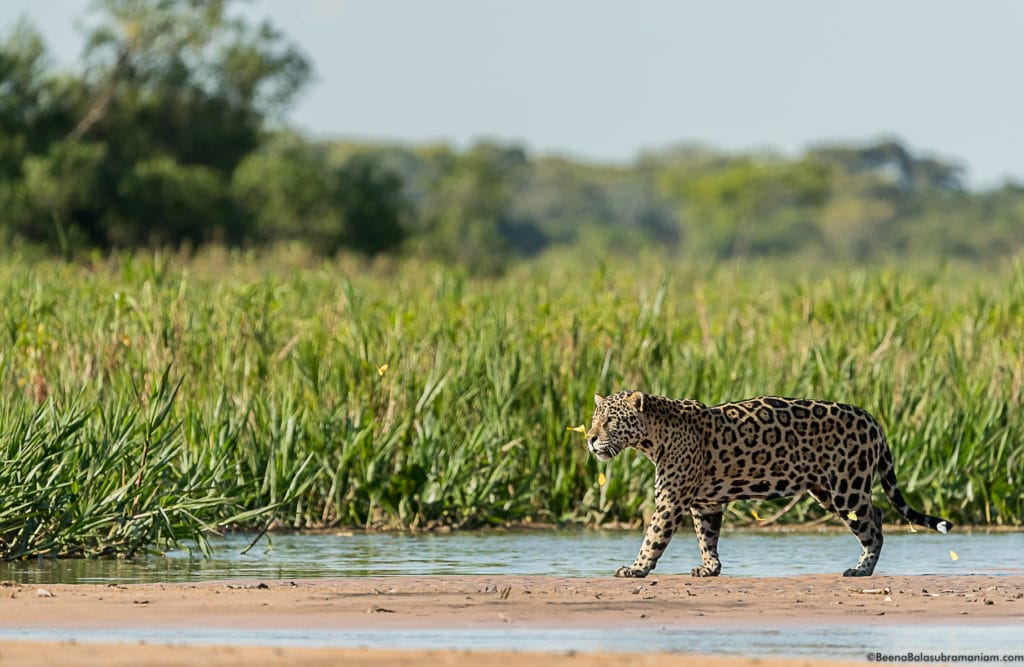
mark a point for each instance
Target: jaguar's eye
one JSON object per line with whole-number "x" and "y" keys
{"x": 611, "y": 423}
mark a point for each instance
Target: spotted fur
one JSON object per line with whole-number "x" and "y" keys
{"x": 766, "y": 447}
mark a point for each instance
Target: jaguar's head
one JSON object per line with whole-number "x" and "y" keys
{"x": 617, "y": 424}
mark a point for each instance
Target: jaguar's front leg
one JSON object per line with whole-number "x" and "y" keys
{"x": 659, "y": 532}
{"x": 707, "y": 523}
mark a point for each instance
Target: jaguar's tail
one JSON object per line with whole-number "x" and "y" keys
{"x": 887, "y": 472}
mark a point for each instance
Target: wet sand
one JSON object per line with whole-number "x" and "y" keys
{"x": 29, "y": 654}
{"x": 523, "y": 602}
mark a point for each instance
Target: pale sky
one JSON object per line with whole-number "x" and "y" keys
{"x": 604, "y": 79}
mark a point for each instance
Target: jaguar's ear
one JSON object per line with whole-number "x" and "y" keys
{"x": 636, "y": 400}
{"x": 598, "y": 400}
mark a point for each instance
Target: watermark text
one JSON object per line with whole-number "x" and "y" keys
{"x": 942, "y": 657}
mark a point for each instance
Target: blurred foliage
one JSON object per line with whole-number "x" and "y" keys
{"x": 169, "y": 134}
{"x": 289, "y": 191}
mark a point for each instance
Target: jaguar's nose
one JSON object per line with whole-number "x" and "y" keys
{"x": 591, "y": 440}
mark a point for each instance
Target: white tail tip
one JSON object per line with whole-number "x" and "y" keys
{"x": 942, "y": 527}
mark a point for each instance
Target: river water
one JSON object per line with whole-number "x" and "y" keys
{"x": 577, "y": 553}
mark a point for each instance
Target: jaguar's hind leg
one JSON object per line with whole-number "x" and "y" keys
{"x": 707, "y": 523}
{"x": 865, "y": 521}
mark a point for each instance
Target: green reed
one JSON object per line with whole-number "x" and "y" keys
{"x": 148, "y": 399}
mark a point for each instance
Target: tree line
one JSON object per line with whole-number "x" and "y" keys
{"x": 170, "y": 133}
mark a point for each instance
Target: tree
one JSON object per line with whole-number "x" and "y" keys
{"x": 469, "y": 211}
{"x": 55, "y": 186}
{"x": 174, "y": 94}
{"x": 291, "y": 191}
{"x": 284, "y": 190}
{"x": 372, "y": 204}
{"x": 753, "y": 205}
{"x": 34, "y": 111}
{"x": 892, "y": 164}
{"x": 197, "y": 84}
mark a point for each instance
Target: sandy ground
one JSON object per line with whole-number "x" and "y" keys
{"x": 479, "y": 602}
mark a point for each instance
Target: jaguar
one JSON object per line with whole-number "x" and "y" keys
{"x": 766, "y": 447}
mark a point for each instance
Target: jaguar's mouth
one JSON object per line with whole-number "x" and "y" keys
{"x": 604, "y": 452}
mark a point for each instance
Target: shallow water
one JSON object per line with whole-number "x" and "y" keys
{"x": 834, "y": 641}
{"x": 555, "y": 552}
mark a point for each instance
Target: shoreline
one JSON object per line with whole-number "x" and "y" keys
{"x": 828, "y": 524}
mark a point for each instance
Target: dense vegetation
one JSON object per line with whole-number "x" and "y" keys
{"x": 169, "y": 133}
{"x": 146, "y": 398}
{"x": 208, "y": 321}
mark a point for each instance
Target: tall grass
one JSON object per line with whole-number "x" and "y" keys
{"x": 147, "y": 399}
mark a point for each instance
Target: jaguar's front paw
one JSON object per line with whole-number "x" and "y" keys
{"x": 858, "y": 572}
{"x": 627, "y": 572}
{"x": 704, "y": 571}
